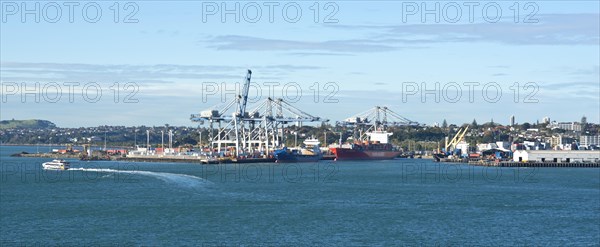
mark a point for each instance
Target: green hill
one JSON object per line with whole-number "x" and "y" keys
{"x": 26, "y": 124}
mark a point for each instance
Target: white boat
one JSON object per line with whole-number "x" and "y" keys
{"x": 56, "y": 165}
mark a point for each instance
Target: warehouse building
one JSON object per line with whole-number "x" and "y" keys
{"x": 556, "y": 156}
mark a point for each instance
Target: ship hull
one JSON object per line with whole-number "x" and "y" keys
{"x": 300, "y": 158}
{"x": 353, "y": 154}
{"x": 284, "y": 157}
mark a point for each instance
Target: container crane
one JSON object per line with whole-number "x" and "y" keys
{"x": 244, "y": 95}
{"x": 375, "y": 119}
{"x": 257, "y": 129}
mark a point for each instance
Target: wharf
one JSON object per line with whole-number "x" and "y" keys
{"x": 537, "y": 164}
{"x": 254, "y": 160}
{"x": 160, "y": 159}
{"x": 46, "y": 155}
{"x": 523, "y": 164}
{"x": 201, "y": 159}
{"x": 328, "y": 157}
{"x": 194, "y": 159}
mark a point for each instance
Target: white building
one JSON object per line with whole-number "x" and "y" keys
{"x": 504, "y": 146}
{"x": 587, "y": 141}
{"x": 529, "y": 145}
{"x": 464, "y": 147}
{"x": 556, "y": 156}
{"x": 574, "y": 126}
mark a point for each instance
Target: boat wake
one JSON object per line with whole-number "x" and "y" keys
{"x": 182, "y": 180}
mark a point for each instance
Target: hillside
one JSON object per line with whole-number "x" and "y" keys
{"x": 26, "y": 124}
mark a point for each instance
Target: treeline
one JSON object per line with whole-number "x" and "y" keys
{"x": 26, "y": 124}
{"x": 406, "y": 137}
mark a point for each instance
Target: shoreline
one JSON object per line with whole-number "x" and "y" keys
{"x": 58, "y": 145}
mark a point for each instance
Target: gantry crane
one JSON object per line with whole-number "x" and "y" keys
{"x": 378, "y": 118}
{"x": 258, "y": 129}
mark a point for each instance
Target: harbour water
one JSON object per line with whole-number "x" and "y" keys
{"x": 395, "y": 202}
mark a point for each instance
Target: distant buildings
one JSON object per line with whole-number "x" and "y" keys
{"x": 546, "y": 120}
{"x": 93, "y": 139}
{"x": 572, "y": 126}
{"x": 561, "y": 142}
{"x": 503, "y": 146}
{"x": 555, "y": 140}
{"x": 587, "y": 141}
{"x": 531, "y": 145}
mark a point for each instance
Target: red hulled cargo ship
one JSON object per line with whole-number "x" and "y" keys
{"x": 376, "y": 149}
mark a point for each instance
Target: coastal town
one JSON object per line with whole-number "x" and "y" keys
{"x": 541, "y": 141}
{"x": 276, "y": 130}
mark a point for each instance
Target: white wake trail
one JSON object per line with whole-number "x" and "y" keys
{"x": 183, "y": 180}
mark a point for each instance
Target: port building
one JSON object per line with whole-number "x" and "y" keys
{"x": 562, "y": 156}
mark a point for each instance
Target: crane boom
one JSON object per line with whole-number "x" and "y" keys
{"x": 244, "y": 95}
{"x": 457, "y": 138}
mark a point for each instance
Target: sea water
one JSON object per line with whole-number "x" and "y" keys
{"x": 396, "y": 202}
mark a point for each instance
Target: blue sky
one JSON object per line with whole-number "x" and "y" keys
{"x": 373, "y": 51}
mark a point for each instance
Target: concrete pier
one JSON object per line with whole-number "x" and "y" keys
{"x": 537, "y": 164}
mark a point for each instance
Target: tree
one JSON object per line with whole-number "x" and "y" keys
{"x": 474, "y": 124}
{"x": 488, "y": 137}
{"x": 444, "y": 124}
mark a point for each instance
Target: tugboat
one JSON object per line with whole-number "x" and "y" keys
{"x": 56, "y": 165}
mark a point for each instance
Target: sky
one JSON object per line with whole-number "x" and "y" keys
{"x": 156, "y": 62}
